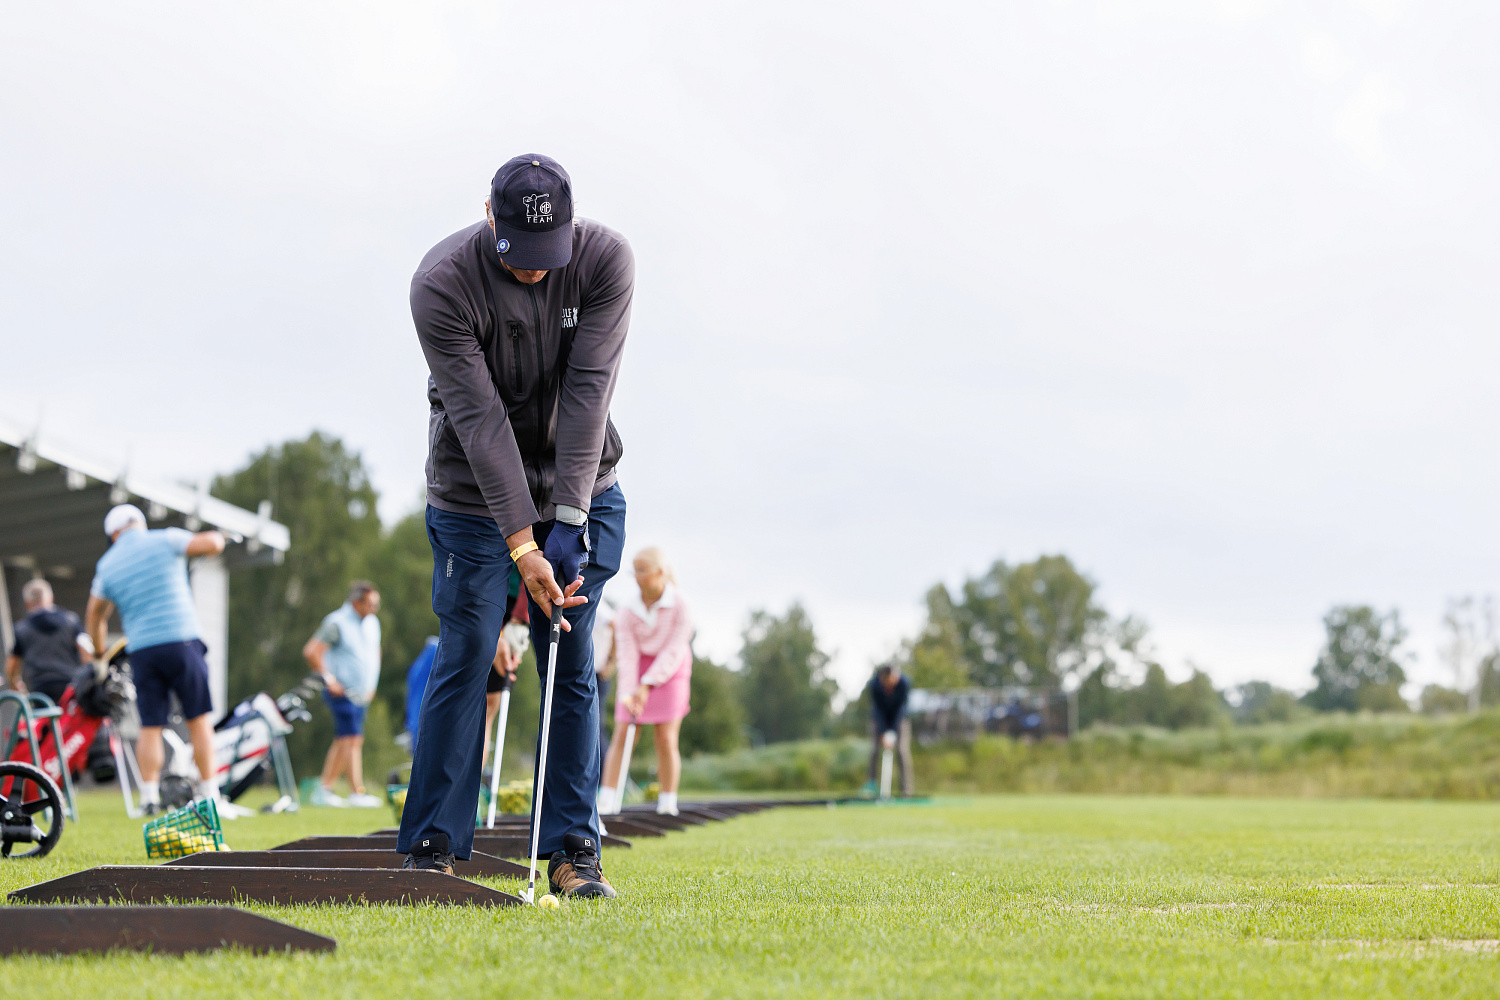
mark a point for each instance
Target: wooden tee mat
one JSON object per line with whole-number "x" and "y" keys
{"x": 480, "y": 864}
{"x": 616, "y": 825}
{"x": 170, "y": 930}
{"x": 501, "y": 845}
{"x": 668, "y": 823}
{"x": 156, "y": 883}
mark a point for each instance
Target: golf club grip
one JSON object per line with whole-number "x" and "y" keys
{"x": 556, "y": 618}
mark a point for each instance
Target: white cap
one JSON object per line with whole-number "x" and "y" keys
{"x": 121, "y": 517}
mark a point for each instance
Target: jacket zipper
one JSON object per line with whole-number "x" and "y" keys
{"x": 515, "y": 356}
{"x": 541, "y": 372}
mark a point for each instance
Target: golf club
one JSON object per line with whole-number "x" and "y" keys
{"x": 885, "y": 765}
{"x": 541, "y": 764}
{"x": 617, "y": 794}
{"x": 505, "y": 687}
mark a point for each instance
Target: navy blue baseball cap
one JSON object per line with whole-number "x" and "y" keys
{"x": 531, "y": 199}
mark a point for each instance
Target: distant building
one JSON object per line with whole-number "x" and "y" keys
{"x": 52, "y": 507}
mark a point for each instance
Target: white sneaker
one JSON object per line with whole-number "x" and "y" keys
{"x": 228, "y": 810}
{"x": 363, "y": 800}
{"x": 665, "y": 810}
{"x": 323, "y": 797}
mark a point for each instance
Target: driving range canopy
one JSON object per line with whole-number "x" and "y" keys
{"x": 52, "y": 506}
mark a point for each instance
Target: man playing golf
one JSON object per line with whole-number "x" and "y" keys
{"x": 522, "y": 318}
{"x": 145, "y": 575}
{"x": 890, "y": 691}
{"x": 345, "y": 652}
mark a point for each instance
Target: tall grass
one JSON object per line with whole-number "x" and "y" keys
{"x": 1389, "y": 756}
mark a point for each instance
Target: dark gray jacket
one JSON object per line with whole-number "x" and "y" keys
{"x": 522, "y": 375}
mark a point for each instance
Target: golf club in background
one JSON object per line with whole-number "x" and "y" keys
{"x": 888, "y": 741}
{"x": 506, "y": 684}
{"x": 555, "y": 634}
{"x": 617, "y": 794}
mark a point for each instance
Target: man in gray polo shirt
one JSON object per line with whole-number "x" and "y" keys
{"x": 522, "y": 318}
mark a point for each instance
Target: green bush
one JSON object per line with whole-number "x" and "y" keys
{"x": 1394, "y": 756}
{"x": 716, "y": 723}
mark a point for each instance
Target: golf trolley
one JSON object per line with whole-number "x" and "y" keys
{"x": 57, "y": 738}
{"x": 46, "y": 744}
{"x": 31, "y": 810}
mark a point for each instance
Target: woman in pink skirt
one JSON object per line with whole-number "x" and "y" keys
{"x": 654, "y": 669}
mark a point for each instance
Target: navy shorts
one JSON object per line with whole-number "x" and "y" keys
{"x": 172, "y": 666}
{"x": 348, "y": 718}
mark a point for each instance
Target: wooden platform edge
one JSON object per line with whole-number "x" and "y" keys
{"x": 168, "y": 930}
{"x": 285, "y": 886}
{"x": 478, "y": 865}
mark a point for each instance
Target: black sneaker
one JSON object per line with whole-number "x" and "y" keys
{"x": 150, "y": 808}
{"x": 431, "y": 854}
{"x": 575, "y": 870}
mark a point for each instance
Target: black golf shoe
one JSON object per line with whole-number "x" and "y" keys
{"x": 575, "y": 870}
{"x": 431, "y": 854}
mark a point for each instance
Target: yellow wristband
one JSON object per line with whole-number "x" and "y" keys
{"x": 520, "y": 550}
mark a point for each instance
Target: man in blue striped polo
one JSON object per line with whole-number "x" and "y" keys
{"x": 144, "y": 574}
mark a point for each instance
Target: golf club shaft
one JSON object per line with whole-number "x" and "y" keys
{"x": 885, "y": 772}
{"x": 499, "y": 753}
{"x": 117, "y": 747}
{"x": 619, "y": 793}
{"x": 541, "y": 763}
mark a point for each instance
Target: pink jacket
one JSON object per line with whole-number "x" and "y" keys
{"x": 664, "y": 632}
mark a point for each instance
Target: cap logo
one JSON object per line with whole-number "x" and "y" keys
{"x": 538, "y": 207}
{"x": 502, "y": 246}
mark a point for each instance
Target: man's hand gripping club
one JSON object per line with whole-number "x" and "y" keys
{"x": 567, "y": 549}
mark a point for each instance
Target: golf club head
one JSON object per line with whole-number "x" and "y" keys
{"x": 527, "y": 895}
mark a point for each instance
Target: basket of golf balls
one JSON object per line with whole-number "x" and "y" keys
{"x": 515, "y": 798}
{"x": 396, "y": 796}
{"x": 190, "y": 830}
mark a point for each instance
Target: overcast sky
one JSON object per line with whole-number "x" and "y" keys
{"x": 1202, "y": 294}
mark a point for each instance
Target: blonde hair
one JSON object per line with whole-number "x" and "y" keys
{"x": 657, "y": 560}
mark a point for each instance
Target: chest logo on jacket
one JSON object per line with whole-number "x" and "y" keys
{"x": 570, "y": 318}
{"x": 538, "y": 207}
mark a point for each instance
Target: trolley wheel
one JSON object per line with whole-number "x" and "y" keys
{"x": 31, "y": 810}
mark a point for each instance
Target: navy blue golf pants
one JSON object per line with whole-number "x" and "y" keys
{"x": 470, "y": 585}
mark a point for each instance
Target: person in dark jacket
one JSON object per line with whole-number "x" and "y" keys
{"x": 49, "y": 647}
{"x": 522, "y": 319}
{"x": 889, "y": 691}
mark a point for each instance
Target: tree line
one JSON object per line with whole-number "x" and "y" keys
{"x": 1037, "y": 624}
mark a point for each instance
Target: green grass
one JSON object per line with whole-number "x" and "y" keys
{"x": 997, "y": 896}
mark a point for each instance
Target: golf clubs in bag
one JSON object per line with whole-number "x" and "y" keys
{"x": 247, "y": 741}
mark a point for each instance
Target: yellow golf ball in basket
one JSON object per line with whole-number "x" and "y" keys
{"x": 548, "y": 902}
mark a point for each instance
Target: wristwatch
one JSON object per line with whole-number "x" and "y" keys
{"x": 571, "y": 515}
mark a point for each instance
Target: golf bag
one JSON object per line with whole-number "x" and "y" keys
{"x": 88, "y": 705}
{"x": 246, "y": 742}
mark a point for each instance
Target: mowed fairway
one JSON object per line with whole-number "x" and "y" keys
{"x": 995, "y": 896}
